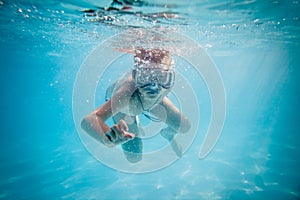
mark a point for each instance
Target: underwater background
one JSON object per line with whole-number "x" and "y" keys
{"x": 255, "y": 46}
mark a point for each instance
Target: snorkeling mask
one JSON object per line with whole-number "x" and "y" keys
{"x": 144, "y": 77}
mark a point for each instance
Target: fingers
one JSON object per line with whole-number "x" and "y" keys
{"x": 128, "y": 135}
{"x": 124, "y": 128}
{"x": 123, "y": 125}
{"x": 119, "y": 133}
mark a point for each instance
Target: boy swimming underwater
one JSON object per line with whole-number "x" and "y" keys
{"x": 144, "y": 91}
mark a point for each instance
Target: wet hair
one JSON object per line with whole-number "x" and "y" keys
{"x": 147, "y": 57}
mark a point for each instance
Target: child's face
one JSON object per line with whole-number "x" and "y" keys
{"x": 153, "y": 82}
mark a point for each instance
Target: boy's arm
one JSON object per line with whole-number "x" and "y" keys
{"x": 169, "y": 113}
{"x": 94, "y": 123}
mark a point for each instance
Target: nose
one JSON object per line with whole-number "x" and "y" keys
{"x": 152, "y": 88}
{"x": 153, "y": 85}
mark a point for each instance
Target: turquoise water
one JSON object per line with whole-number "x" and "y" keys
{"x": 255, "y": 46}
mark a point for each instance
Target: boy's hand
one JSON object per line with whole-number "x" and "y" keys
{"x": 119, "y": 134}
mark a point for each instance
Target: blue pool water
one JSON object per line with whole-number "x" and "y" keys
{"x": 255, "y": 46}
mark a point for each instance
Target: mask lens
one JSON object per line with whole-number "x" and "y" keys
{"x": 148, "y": 76}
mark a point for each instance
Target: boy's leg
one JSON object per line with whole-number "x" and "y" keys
{"x": 169, "y": 134}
